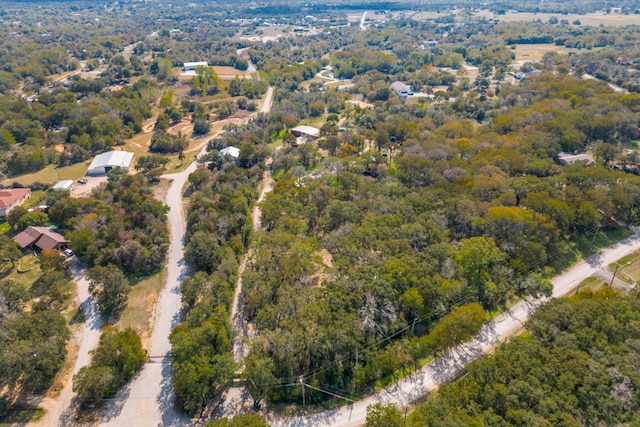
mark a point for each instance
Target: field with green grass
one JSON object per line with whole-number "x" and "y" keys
{"x": 49, "y": 175}
{"x": 140, "y": 303}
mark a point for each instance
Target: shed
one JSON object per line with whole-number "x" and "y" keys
{"x": 63, "y": 185}
{"x": 191, "y": 66}
{"x": 104, "y": 162}
{"x": 568, "y": 158}
{"x": 401, "y": 89}
{"x": 309, "y": 131}
{"x": 230, "y": 151}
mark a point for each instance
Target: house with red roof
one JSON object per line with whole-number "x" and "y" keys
{"x": 10, "y": 198}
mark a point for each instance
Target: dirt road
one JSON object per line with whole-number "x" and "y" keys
{"x": 442, "y": 369}
{"x": 86, "y": 339}
{"x": 148, "y": 401}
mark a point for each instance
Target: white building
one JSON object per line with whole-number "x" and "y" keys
{"x": 104, "y": 162}
{"x": 308, "y": 131}
{"x": 401, "y": 89}
{"x": 230, "y": 151}
{"x": 63, "y": 185}
{"x": 191, "y": 66}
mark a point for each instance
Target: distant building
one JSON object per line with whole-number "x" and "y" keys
{"x": 63, "y": 185}
{"x": 191, "y": 66}
{"x": 568, "y": 158}
{"x": 40, "y": 238}
{"x": 230, "y": 151}
{"x": 104, "y": 162}
{"x": 11, "y": 198}
{"x": 401, "y": 89}
{"x": 308, "y": 131}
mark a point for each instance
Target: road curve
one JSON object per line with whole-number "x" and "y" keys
{"x": 419, "y": 384}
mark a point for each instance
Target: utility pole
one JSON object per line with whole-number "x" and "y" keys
{"x": 301, "y": 379}
{"x": 614, "y": 274}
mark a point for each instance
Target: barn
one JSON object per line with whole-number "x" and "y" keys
{"x": 104, "y": 162}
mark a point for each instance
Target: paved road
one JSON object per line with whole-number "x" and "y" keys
{"x": 445, "y": 368}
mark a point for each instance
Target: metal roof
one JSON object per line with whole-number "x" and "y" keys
{"x": 63, "y": 185}
{"x": 112, "y": 159}
{"x": 231, "y": 151}
{"x": 307, "y": 130}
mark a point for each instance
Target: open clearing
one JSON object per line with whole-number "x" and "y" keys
{"x": 50, "y": 175}
{"x": 590, "y": 19}
{"x": 629, "y": 268}
{"x": 535, "y": 52}
{"x": 141, "y": 302}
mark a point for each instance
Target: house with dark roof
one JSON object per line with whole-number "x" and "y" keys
{"x": 40, "y": 238}
{"x": 10, "y": 198}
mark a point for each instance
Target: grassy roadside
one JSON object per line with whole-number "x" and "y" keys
{"x": 141, "y": 302}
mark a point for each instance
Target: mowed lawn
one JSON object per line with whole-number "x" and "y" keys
{"x": 50, "y": 175}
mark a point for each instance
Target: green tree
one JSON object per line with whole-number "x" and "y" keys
{"x": 475, "y": 257}
{"x": 32, "y": 218}
{"x": 201, "y": 126}
{"x": 379, "y": 415}
{"x": 14, "y": 216}
{"x": 456, "y": 327}
{"x": 259, "y": 374}
{"x": 246, "y": 420}
{"x": 9, "y": 250}
{"x": 109, "y": 287}
{"x": 93, "y": 383}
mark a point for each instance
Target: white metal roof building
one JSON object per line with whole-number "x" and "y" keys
{"x": 230, "y": 151}
{"x": 191, "y": 66}
{"x": 303, "y": 130}
{"x": 63, "y": 185}
{"x": 104, "y": 162}
{"x": 401, "y": 89}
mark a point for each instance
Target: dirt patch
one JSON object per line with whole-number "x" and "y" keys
{"x": 184, "y": 127}
{"x": 84, "y": 190}
{"x": 228, "y": 71}
{"x": 59, "y": 148}
{"x": 327, "y": 258}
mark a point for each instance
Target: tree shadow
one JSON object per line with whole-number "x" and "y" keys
{"x": 167, "y": 402}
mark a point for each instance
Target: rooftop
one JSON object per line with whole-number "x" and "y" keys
{"x": 42, "y": 237}
{"x": 9, "y": 196}
{"x": 112, "y": 159}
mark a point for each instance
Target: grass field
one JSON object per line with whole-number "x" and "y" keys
{"x": 4, "y": 227}
{"x": 629, "y": 268}
{"x": 140, "y": 303}
{"x": 50, "y": 175}
{"x": 535, "y": 52}
{"x": 29, "y": 265}
{"x": 590, "y": 19}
